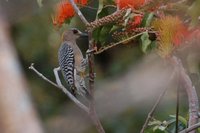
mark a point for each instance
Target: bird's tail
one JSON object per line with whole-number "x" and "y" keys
{"x": 73, "y": 90}
{"x": 82, "y": 90}
{"x": 81, "y": 87}
{"x": 87, "y": 94}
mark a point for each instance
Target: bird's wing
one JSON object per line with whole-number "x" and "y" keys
{"x": 66, "y": 62}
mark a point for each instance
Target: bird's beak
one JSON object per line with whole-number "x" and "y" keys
{"x": 83, "y": 34}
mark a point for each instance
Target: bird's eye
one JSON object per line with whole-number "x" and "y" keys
{"x": 75, "y": 31}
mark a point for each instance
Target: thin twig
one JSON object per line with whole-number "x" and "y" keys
{"x": 74, "y": 99}
{"x": 137, "y": 12}
{"x": 193, "y": 127}
{"x": 173, "y": 4}
{"x": 177, "y": 99}
{"x": 120, "y": 42}
{"x": 78, "y": 12}
{"x": 177, "y": 105}
{"x": 89, "y": 7}
{"x": 151, "y": 113}
{"x": 92, "y": 110}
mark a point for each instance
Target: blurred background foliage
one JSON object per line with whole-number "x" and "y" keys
{"x": 37, "y": 41}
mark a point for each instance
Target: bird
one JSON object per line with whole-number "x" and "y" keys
{"x": 72, "y": 63}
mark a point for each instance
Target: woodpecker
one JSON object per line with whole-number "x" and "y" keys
{"x": 72, "y": 63}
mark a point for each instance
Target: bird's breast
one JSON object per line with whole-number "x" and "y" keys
{"x": 78, "y": 57}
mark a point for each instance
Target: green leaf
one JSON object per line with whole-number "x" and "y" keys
{"x": 180, "y": 118}
{"x": 155, "y": 122}
{"x": 96, "y": 34}
{"x": 155, "y": 128}
{"x": 114, "y": 28}
{"x": 194, "y": 12}
{"x": 105, "y": 11}
{"x": 109, "y": 2}
{"x": 153, "y": 44}
{"x": 162, "y": 128}
{"x": 104, "y": 33}
{"x": 39, "y": 3}
{"x": 68, "y": 21}
{"x": 145, "y": 41}
{"x": 100, "y": 8}
{"x": 146, "y": 21}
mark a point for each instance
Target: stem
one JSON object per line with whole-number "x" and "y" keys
{"x": 177, "y": 107}
{"x": 120, "y": 42}
{"x": 151, "y": 113}
{"x": 190, "y": 90}
{"x": 195, "y": 126}
{"x": 78, "y": 12}
{"x": 92, "y": 110}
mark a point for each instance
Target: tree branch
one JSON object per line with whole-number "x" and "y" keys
{"x": 190, "y": 90}
{"x": 193, "y": 127}
{"x": 74, "y": 99}
{"x": 151, "y": 113}
{"x": 92, "y": 110}
{"x": 93, "y": 113}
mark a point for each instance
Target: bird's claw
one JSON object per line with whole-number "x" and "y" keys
{"x": 88, "y": 75}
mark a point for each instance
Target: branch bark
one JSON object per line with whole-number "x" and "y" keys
{"x": 191, "y": 92}
{"x": 193, "y": 127}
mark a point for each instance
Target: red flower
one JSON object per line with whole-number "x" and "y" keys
{"x": 137, "y": 20}
{"x": 172, "y": 33}
{"x": 65, "y": 11}
{"x": 81, "y": 2}
{"x": 129, "y": 3}
{"x": 181, "y": 34}
{"x": 134, "y": 22}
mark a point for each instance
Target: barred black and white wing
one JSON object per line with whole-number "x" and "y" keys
{"x": 66, "y": 62}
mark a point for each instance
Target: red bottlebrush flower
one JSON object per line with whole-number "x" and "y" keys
{"x": 129, "y": 3}
{"x": 172, "y": 33}
{"x": 134, "y": 22}
{"x": 81, "y": 2}
{"x": 181, "y": 34}
{"x": 137, "y": 20}
{"x": 65, "y": 11}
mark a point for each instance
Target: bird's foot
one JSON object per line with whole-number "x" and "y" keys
{"x": 88, "y": 75}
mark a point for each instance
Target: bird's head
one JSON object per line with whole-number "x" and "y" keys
{"x": 72, "y": 34}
